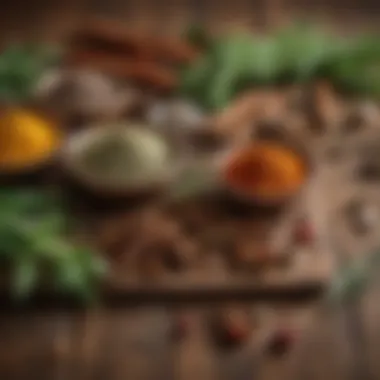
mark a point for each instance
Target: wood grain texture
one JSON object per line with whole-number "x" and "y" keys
{"x": 139, "y": 344}
{"x": 99, "y": 345}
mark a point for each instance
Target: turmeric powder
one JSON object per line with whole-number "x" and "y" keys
{"x": 25, "y": 138}
{"x": 267, "y": 169}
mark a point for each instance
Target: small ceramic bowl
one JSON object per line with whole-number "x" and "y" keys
{"x": 75, "y": 148}
{"x": 260, "y": 200}
{"x": 36, "y": 170}
{"x": 83, "y": 94}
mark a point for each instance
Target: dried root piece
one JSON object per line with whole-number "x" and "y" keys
{"x": 250, "y": 256}
{"x": 322, "y": 106}
{"x": 250, "y": 107}
{"x": 116, "y": 236}
{"x": 181, "y": 255}
{"x": 113, "y": 38}
{"x": 155, "y": 225}
{"x": 149, "y": 263}
{"x": 135, "y": 70}
{"x": 168, "y": 251}
{"x": 269, "y": 130}
{"x": 257, "y": 257}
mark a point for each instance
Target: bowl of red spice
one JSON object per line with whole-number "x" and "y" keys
{"x": 266, "y": 172}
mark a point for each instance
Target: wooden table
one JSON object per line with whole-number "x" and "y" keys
{"x": 107, "y": 344}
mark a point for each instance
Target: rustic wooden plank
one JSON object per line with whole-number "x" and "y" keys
{"x": 319, "y": 349}
{"x": 325, "y": 352}
{"x": 135, "y": 344}
{"x": 369, "y": 312}
{"x": 196, "y": 358}
{"x": 36, "y": 345}
{"x": 119, "y": 299}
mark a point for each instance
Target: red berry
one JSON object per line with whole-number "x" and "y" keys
{"x": 280, "y": 342}
{"x": 180, "y": 328}
{"x": 231, "y": 327}
{"x": 236, "y": 334}
{"x": 304, "y": 232}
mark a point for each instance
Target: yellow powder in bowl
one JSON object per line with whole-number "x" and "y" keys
{"x": 25, "y": 139}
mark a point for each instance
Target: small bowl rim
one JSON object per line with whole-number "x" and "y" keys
{"x": 77, "y": 142}
{"x": 290, "y": 143}
{"x": 48, "y": 159}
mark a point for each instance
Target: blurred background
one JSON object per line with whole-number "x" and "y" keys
{"x": 142, "y": 343}
{"x": 52, "y": 19}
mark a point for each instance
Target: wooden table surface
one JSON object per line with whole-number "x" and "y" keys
{"x": 139, "y": 344}
{"x": 100, "y": 344}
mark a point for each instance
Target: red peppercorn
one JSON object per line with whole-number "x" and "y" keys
{"x": 236, "y": 334}
{"x": 304, "y": 232}
{"x": 232, "y": 327}
{"x": 280, "y": 342}
{"x": 180, "y": 328}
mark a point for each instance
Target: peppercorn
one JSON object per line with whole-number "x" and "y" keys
{"x": 231, "y": 327}
{"x": 280, "y": 342}
{"x": 180, "y": 327}
{"x": 304, "y": 233}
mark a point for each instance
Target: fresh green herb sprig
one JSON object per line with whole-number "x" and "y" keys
{"x": 33, "y": 243}
{"x": 299, "y": 54}
{"x": 352, "y": 280}
{"x": 21, "y": 66}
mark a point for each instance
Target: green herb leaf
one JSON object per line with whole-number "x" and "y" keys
{"x": 197, "y": 35}
{"x": 25, "y": 277}
{"x": 21, "y": 66}
{"x": 301, "y": 53}
{"x": 32, "y": 238}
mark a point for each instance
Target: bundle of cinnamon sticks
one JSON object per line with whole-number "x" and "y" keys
{"x": 143, "y": 59}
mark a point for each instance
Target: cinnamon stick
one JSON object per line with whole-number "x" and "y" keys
{"x": 113, "y": 37}
{"x": 136, "y": 70}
